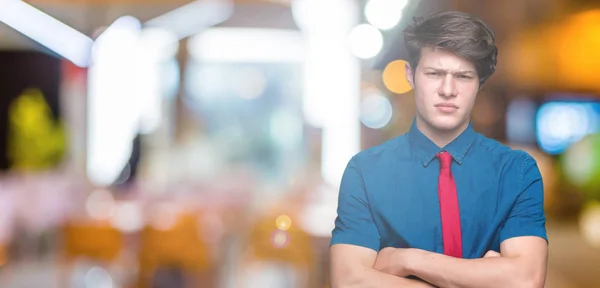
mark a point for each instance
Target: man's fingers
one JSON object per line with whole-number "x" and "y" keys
{"x": 491, "y": 253}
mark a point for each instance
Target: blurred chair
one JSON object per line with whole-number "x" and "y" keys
{"x": 97, "y": 241}
{"x": 174, "y": 253}
{"x": 277, "y": 256}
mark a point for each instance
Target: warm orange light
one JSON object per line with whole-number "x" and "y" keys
{"x": 578, "y": 47}
{"x": 561, "y": 55}
{"x": 283, "y": 222}
{"x": 394, "y": 77}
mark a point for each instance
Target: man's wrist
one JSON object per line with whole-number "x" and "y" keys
{"x": 412, "y": 260}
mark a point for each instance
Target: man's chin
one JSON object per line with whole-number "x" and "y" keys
{"x": 446, "y": 124}
{"x": 443, "y": 124}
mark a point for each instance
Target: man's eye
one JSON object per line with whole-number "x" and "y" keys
{"x": 434, "y": 73}
{"x": 464, "y": 77}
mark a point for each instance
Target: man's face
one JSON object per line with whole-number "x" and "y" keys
{"x": 445, "y": 87}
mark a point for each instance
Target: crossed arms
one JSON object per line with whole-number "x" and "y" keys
{"x": 521, "y": 263}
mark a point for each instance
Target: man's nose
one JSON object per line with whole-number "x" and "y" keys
{"x": 448, "y": 86}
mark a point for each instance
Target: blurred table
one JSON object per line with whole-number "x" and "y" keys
{"x": 572, "y": 263}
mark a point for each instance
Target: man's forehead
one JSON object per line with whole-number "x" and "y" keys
{"x": 458, "y": 70}
{"x": 445, "y": 60}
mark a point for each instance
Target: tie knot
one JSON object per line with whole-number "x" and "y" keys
{"x": 445, "y": 160}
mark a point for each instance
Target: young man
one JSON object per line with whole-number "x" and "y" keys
{"x": 442, "y": 205}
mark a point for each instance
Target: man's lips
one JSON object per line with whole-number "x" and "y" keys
{"x": 448, "y": 105}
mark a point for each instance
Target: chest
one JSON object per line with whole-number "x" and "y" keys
{"x": 406, "y": 208}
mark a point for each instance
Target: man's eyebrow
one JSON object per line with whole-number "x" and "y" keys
{"x": 455, "y": 72}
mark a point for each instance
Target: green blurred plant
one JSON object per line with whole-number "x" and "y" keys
{"x": 581, "y": 166}
{"x": 35, "y": 140}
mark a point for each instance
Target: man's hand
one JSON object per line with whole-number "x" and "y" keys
{"x": 521, "y": 263}
{"x": 352, "y": 266}
{"x": 393, "y": 261}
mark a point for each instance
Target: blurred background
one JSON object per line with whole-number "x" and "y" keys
{"x": 201, "y": 143}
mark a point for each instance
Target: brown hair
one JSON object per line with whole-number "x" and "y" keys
{"x": 460, "y": 33}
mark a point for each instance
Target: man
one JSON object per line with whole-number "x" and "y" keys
{"x": 442, "y": 205}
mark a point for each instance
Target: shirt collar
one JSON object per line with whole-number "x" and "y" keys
{"x": 426, "y": 150}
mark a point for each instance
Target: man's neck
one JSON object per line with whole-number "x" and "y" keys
{"x": 441, "y": 138}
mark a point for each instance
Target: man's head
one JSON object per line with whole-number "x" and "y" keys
{"x": 451, "y": 55}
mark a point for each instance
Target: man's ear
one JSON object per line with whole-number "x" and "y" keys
{"x": 409, "y": 75}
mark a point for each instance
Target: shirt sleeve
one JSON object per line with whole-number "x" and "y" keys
{"x": 527, "y": 217}
{"x": 354, "y": 223}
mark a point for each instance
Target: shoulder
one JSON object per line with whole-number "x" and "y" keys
{"x": 515, "y": 163}
{"x": 387, "y": 151}
{"x": 502, "y": 152}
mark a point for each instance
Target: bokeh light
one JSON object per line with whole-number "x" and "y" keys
{"x": 127, "y": 217}
{"x": 98, "y": 277}
{"x": 280, "y": 239}
{"x": 100, "y": 205}
{"x": 560, "y": 124}
{"x": 520, "y": 121}
{"x": 384, "y": 14}
{"x": 312, "y": 15}
{"x": 589, "y": 223}
{"x": 165, "y": 216}
{"x": 394, "y": 77}
{"x": 375, "y": 110}
{"x": 581, "y": 164}
{"x": 365, "y": 41}
{"x": 283, "y": 222}
{"x": 318, "y": 219}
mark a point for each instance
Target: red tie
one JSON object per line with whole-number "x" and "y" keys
{"x": 449, "y": 211}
